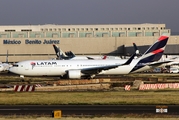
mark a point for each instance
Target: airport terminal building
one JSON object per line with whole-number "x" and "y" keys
{"x": 25, "y": 42}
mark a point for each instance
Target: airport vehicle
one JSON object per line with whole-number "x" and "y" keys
{"x": 174, "y": 70}
{"x": 77, "y": 69}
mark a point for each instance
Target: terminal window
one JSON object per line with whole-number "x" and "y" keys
{"x": 88, "y": 35}
{"x": 10, "y": 30}
{"x": 21, "y": 36}
{"x": 37, "y": 35}
{"x": 3, "y": 35}
{"x": 26, "y": 30}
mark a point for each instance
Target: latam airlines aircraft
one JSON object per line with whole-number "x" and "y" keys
{"x": 77, "y": 69}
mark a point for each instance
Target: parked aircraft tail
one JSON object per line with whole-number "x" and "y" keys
{"x": 57, "y": 51}
{"x": 155, "y": 52}
{"x": 150, "y": 58}
{"x": 61, "y": 55}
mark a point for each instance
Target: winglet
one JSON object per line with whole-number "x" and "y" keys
{"x": 136, "y": 48}
{"x": 130, "y": 59}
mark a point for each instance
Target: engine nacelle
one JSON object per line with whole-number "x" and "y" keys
{"x": 1, "y": 68}
{"x": 74, "y": 74}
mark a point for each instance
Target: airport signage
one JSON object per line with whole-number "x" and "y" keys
{"x": 27, "y": 41}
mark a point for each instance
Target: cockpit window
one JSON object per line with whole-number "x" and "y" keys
{"x": 15, "y": 65}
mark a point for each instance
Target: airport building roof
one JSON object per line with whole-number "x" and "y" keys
{"x": 54, "y": 27}
{"x": 76, "y": 31}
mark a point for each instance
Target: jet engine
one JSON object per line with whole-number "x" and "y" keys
{"x": 74, "y": 74}
{"x": 1, "y": 68}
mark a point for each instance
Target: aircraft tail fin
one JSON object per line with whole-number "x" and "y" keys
{"x": 59, "y": 53}
{"x": 136, "y": 49}
{"x": 155, "y": 52}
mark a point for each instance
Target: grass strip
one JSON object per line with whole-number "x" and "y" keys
{"x": 159, "y": 97}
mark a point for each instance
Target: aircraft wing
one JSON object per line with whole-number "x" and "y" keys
{"x": 90, "y": 58}
{"x": 97, "y": 70}
{"x": 158, "y": 63}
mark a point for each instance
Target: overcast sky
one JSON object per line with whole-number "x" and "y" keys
{"x": 24, "y": 12}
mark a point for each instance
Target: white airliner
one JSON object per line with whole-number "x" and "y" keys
{"x": 77, "y": 69}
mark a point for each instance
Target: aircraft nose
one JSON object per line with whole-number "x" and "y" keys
{"x": 11, "y": 69}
